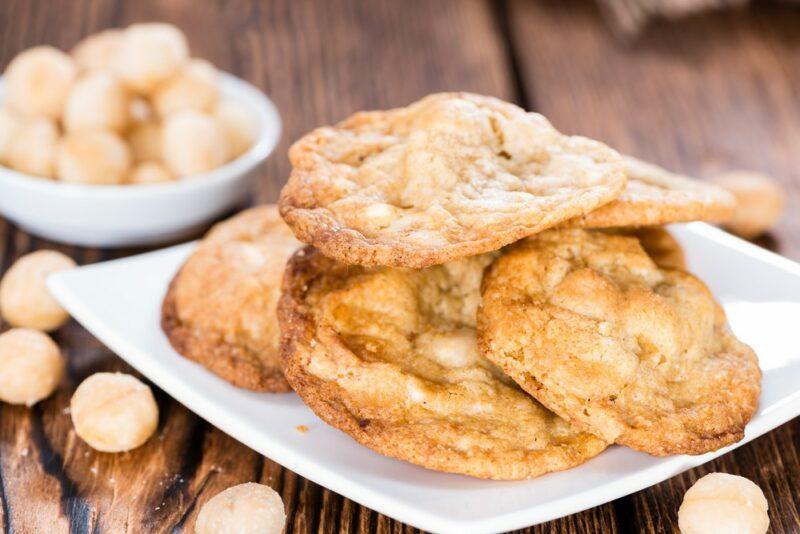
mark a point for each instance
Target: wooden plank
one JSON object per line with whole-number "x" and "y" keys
{"x": 319, "y": 60}
{"x": 711, "y": 93}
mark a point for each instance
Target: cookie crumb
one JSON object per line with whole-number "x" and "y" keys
{"x": 302, "y": 429}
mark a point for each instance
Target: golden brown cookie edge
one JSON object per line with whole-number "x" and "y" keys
{"x": 645, "y": 440}
{"x": 297, "y": 338}
{"x": 218, "y": 356}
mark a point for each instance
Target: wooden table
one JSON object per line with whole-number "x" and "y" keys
{"x": 711, "y": 93}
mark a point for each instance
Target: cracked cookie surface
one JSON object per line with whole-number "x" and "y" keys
{"x": 655, "y": 196}
{"x": 452, "y": 175}
{"x": 220, "y": 309}
{"x": 658, "y": 243}
{"x": 587, "y": 323}
{"x": 389, "y": 357}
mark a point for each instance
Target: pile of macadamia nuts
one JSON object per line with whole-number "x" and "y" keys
{"x": 125, "y": 106}
{"x": 112, "y": 412}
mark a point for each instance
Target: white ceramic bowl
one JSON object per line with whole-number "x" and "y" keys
{"x": 130, "y": 215}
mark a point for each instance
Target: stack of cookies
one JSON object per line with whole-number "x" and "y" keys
{"x": 481, "y": 294}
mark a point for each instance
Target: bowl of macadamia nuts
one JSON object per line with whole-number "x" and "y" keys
{"x": 126, "y": 139}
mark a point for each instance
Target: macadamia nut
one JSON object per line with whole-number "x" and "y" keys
{"x": 32, "y": 149}
{"x": 24, "y": 298}
{"x": 8, "y": 127}
{"x": 759, "y": 201}
{"x": 140, "y": 111}
{"x": 720, "y": 502}
{"x": 246, "y": 509}
{"x": 113, "y": 412}
{"x": 239, "y": 124}
{"x": 145, "y": 142}
{"x": 150, "y": 172}
{"x": 98, "y": 100}
{"x": 149, "y": 54}
{"x": 95, "y": 51}
{"x": 92, "y": 157}
{"x": 192, "y": 142}
{"x": 38, "y": 81}
{"x": 30, "y": 366}
{"x": 195, "y": 86}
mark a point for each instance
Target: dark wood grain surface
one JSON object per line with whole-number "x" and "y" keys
{"x": 712, "y": 93}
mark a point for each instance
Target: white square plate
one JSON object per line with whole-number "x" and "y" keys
{"x": 120, "y": 301}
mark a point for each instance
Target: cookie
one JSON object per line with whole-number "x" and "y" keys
{"x": 389, "y": 357}
{"x": 655, "y": 196}
{"x": 450, "y": 176}
{"x": 220, "y": 309}
{"x": 587, "y": 323}
{"x": 658, "y": 243}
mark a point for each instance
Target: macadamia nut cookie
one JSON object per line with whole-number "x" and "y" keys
{"x": 452, "y": 175}
{"x": 759, "y": 201}
{"x": 25, "y": 300}
{"x": 113, "y": 412}
{"x": 389, "y": 357}
{"x": 659, "y": 244}
{"x": 220, "y": 310}
{"x": 720, "y": 502}
{"x": 31, "y": 366}
{"x": 248, "y": 508}
{"x": 655, "y": 196}
{"x": 586, "y": 322}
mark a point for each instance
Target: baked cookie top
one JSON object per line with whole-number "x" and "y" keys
{"x": 220, "y": 309}
{"x": 587, "y": 323}
{"x": 658, "y": 243}
{"x": 389, "y": 357}
{"x": 452, "y": 175}
{"x": 655, "y": 196}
